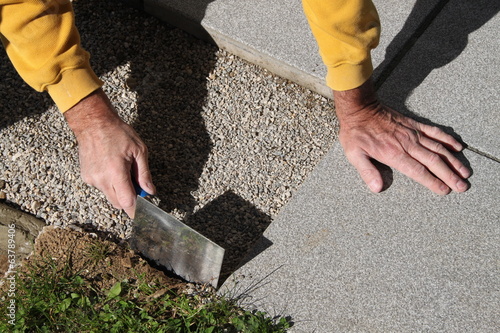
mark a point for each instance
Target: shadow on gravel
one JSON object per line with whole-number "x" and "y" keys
{"x": 169, "y": 70}
{"x": 17, "y": 99}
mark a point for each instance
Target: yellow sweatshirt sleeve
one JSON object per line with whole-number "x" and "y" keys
{"x": 42, "y": 42}
{"x": 346, "y": 31}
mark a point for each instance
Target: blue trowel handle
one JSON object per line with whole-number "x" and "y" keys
{"x": 140, "y": 192}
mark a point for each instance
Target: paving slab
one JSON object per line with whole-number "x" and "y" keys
{"x": 276, "y": 35}
{"x": 450, "y": 76}
{"x": 404, "y": 260}
{"x": 18, "y": 231}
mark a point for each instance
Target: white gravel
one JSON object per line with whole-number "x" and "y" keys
{"x": 229, "y": 142}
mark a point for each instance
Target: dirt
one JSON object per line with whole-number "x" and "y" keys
{"x": 100, "y": 262}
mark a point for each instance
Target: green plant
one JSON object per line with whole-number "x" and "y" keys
{"x": 98, "y": 251}
{"x": 54, "y": 299}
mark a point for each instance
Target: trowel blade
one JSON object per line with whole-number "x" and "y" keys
{"x": 172, "y": 244}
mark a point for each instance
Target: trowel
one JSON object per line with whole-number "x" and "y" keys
{"x": 170, "y": 243}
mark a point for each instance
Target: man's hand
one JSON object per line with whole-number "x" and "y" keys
{"x": 370, "y": 130}
{"x": 110, "y": 151}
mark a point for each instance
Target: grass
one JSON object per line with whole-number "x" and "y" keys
{"x": 98, "y": 251}
{"x": 49, "y": 299}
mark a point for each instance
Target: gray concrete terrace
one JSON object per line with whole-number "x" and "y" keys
{"x": 343, "y": 259}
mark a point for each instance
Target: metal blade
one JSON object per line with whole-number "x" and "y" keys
{"x": 172, "y": 244}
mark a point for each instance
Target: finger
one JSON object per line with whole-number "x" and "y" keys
{"x": 110, "y": 194}
{"x": 447, "y": 156}
{"x": 142, "y": 174}
{"x": 438, "y": 134}
{"x": 125, "y": 195}
{"x": 418, "y": 172}
{"x": 368, "y": 172}
{"x": 438, "y": 167}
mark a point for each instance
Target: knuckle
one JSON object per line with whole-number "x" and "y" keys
{"x": 367, "y": 173}
{"x": 439, "y": 148}
{"x": 126, "y": 202}
{"x": 87, "y": 179}
{"x": 406, "y": 136}
{"x": 452, "y": 177}
{"x": 437, "y": 186}
{"x": 433, "y": 158}
{"x": 145, "y": 174}
{"x": 405, "y": 142}
{"x": 435, "y": 130}
{"x": 418, "y": 170}
{"x": 352, "y": 154}
{"x": 115, "y": 204}
{"x": 142, "y": 149}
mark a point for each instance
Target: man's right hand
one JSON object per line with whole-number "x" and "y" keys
{"x": 370, "y": 130}
{"x": 110, "y": 151}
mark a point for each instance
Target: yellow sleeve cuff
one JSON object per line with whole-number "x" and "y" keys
{"x": 349, "y": 76}
{"x": 72, "y": 86}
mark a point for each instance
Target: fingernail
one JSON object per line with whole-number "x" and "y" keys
{"x": 444, "y": 188}
{"x": 151, "y": 187}
{"x": 464, "y": 172}
{"x": 462, "y": 185}
{"x": 375, "y": 185}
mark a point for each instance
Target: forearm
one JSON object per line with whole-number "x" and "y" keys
{"x": 349, "y": 102}
{"x": 91, "y": 114}
{"x": 346, "y": 31}
{"x": 43, "y": 44}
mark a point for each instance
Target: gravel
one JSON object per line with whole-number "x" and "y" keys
{"x": 229, "y": 142}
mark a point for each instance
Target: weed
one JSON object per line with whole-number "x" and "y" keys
{"x": 98, "y": 251}
{"x": 50, "y": 299}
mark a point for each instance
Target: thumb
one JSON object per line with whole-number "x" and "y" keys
{"x": 142, "y": 174}
{"x": 368, "y": 172}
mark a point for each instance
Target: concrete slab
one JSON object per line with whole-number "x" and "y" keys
{"x": 405, "y": 260}
{"x": 18, "y": 231}
{"x": 276, "y": 35}
{"x": 450, "y": 77}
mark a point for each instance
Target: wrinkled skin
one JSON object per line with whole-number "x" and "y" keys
{"x": 370, "y": 130}
{"x": 110, "y": 151}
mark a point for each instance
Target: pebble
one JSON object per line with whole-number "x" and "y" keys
{"x": 226, "y": 138}
{"x": 35, "y": 206}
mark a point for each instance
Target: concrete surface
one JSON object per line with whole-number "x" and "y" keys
{"x": 451, "y": 74}
{"x": 405, "y": 260}
{"x": 276, "y": 35}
